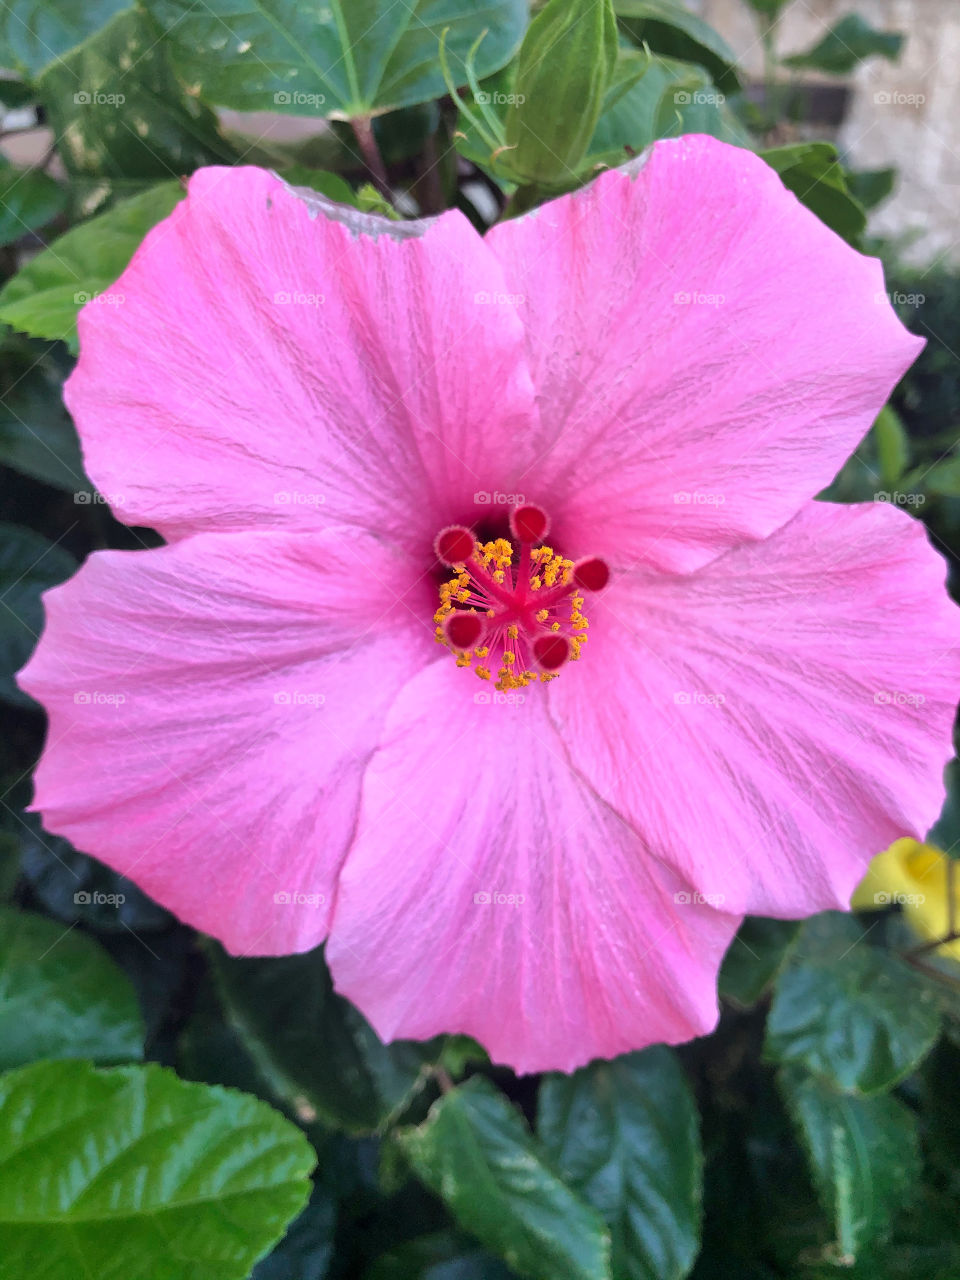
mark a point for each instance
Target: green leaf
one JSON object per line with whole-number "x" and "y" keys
{"x": 61, "y": 996}
{"x": 445, "y": 1255}
{"x": 939, "y": 1116}
{"x": 475, "y": 1152}
{"x": 813, "y": 173}
{"x": 863, "y": 1155}
{"x": 213, "y": 1052}
{"x": 35, "y": 33}
{"x": 28, "y": 199}
{"x": 624, "y": 1135}
{"x": 850, "y": 41}
{"x": 754, "y": 959}
{"x": 37, "y": 435}
{"x": 159, "y": 965}
{"x": 14, "y": 93}
{"x": 459, "y": 1052}
{"x": 43, "y": 298}
{"x": 306, "y": 1251}
{"x": 944, "y": 479}
{"x": 329, "y": 57}
{"x": 767, "y": 8}
{"x": 563, "y": 69}
{"x": 131, "y": 126}
{"x": 692, "y": 103}
{"x": 641, "y": 105}
{"x": 945, "y": 832}
{"x": 78, "y": 889}
{"x": 849, "y": 1011}
{"x": 9, "y": 864}
{"x": 313, "y": 1047}
{"x": 330, "y": 185}
{"x": 871, "y": 186}
{"x": 29, "y": 564}
{"x": 893, "y": 445}
{"x": 628, "y": 122}
{"x": 667, "y": 28}
{"x": 860, "y": 479}
{"x": 369, "y": 200}
{"x": 657, "y": 97}
{"x": 132, "y": 1174}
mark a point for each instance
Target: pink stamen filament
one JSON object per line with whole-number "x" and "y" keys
{"x": 521, "y": 603}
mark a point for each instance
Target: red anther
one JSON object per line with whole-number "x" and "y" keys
{"x": 529, "y": 523}
{"x": 551, "y": 651}
{"x": 463, "y": 629}
{"x": 455, "y": 544}
{"x": 591, "y": 573}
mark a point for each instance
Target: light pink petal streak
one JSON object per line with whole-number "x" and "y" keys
{"x": 468, "y": 799}
{"x": 282, "y": 360}
{"x": 772, "y": 721}
{"x": 212, "y": 706}
{"x": 706, "y": 352}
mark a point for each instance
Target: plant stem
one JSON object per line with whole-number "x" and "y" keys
{"x": 443, "y": 1079}
{"x": 429, "y": 185}
{"x": 363, "y": 132}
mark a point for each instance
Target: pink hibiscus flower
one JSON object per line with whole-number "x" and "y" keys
{"x": 352, "y": 434}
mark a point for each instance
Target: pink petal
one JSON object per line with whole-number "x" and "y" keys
{"x": 212, "y": 706}
{"x": 770, "y": 722}
{"x": 203, "y": 402}
{"x": 682, "y": 428}
{"x": 469, "y": 798}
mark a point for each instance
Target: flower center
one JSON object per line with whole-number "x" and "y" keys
{"x": 514, "y": 607}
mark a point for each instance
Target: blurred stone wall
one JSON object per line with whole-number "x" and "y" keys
{"x": 905, "y": 114}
